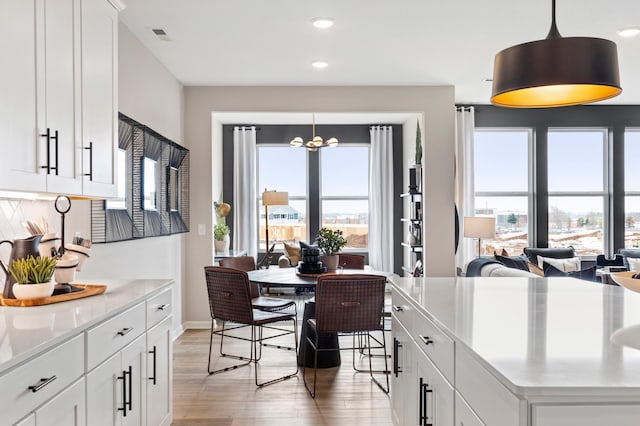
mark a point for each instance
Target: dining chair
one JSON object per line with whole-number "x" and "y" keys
{"x": 348, "y": 304}
{"x": 230, "y": 302}
{"x": 350, "y": 261}
{"x": 246, "y": 264}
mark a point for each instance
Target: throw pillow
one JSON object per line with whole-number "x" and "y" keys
{"x": 535, "y": 269}
{"x": 292, "y": 249}
{"x": 588, "y": 274}
{"x": 571, "y": 264}
{"x": 634, "y": 264}
{"x": 515, "y": 262}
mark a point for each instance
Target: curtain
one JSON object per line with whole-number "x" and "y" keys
{"x": 464, "y": 187}
{"x": 381, "y": 219}
{"x": 245, "y": 214}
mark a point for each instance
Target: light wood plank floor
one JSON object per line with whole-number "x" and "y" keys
{"x": 231, "y": 398}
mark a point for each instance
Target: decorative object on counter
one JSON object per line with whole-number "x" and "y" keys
{"x": 62, "y": 206}
{"x": 33, "y": 277}
{"x": 47, "y": 247}
{"x": 310, "y": 263}
{"x": 221, "y": 237}
{"x": 66, "y": 268}
{"x": 20, "y": 249}
{"x": 87, "y": 290}
{"x": 330, "y": 241}
{"x": 80, "y": 251}
{"x": 36, "y": 228}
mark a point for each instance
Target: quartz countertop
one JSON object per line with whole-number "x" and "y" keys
{"x": 539, "y": 335}
{"x": 27, "y": 331}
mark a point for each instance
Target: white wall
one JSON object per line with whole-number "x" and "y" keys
{"x": 149, "y": 94}
{"x": 435, "y": 103}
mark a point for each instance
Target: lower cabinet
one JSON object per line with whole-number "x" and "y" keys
{"x": 123, "y": 378}
{"x": 66, "y": 409}
{"x": 435, "y": 394}
{"x": 404, "y": 395}
{"x": 159, "y": 377}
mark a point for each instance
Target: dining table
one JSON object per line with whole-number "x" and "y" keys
{"x": 290, "y": 277}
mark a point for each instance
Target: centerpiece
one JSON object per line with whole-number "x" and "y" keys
{"x": 33, "y": 277}
{"x": 330, "y": 241}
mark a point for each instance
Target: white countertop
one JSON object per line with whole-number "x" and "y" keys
{"x": 536, "y": 335}
{"x": 27, "y": 331}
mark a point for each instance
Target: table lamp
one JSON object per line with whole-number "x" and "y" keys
{"x": 272, "y": 198}
{"x": 479, "y": 227}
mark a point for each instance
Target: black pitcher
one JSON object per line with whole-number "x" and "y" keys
{"x": 20, "y": 249}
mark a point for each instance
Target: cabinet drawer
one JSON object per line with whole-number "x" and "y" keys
{"x": 47, "y": 375}
{"x": 464, "y": 414}
{"x": 158, "y": 308}
{"x": 586, "y": 415}
{"x": 435, "y": 344}
{"x": 490, "y": 399}
{"x": 114, "y": 334}
{"x": 402, "y": 310}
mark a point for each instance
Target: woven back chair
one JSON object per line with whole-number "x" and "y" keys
{"x": 242, "y": 263}
{"x": 230, "y": 301}
{"x": 351, "y": 261}
{"x": 348, "y": 304}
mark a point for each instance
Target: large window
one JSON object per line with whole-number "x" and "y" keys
{"x": 283, "y": 169}
{"x": 501, "y": 177}
{"x": 576, "y": 183}
{"x": 342, "y": 187}
{"x": 344, "y": 193}
{"x": 632, "y": 189}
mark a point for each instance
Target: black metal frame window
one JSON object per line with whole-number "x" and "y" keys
{"x": 632, "y": 188}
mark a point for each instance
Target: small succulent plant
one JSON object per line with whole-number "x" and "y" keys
{"x": 33, "y": 270}
{"x": 330, "y": 241}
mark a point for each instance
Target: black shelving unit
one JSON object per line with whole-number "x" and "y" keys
{"x": 413, "y": 238}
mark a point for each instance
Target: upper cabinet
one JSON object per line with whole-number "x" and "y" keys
{"x": 58, "y": 110}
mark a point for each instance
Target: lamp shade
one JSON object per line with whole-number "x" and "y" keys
{"x": 479, "y": 227}
{"x": 557, "y": 71}
{"x": 275, "y": 198}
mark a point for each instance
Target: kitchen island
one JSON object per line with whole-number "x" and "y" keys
{"x": 89, "y": 360}
{"x": 514, "y": 351}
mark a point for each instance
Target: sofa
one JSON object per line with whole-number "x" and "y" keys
{"x": 490, "y": 267}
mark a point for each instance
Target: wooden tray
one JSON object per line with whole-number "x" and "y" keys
{"x": 89, "y": 290}
{"x": 300, "y": 274}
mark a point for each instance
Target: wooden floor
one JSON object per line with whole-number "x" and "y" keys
{"x": 232, "y": 399}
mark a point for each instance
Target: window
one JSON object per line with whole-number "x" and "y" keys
{"x": 344, "y": 189}
{"x": 501, "y": 178}
{"x": 285, "y": 170}
{"x": 632, "y": 189}
{"x": 576, "y": 182}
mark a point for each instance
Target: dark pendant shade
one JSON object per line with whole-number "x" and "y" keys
{"x": 558, "y": 71}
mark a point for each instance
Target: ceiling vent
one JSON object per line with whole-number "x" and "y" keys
{"x": 161, "y": 34}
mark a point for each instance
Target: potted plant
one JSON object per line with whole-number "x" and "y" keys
{"x": 221, "y": 237}
{"x": 330, "y": 241}
{"x": 33, "y": 277}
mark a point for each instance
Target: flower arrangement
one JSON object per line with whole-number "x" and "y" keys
{"x": 33, "y": 270}
{"x": 220, "y": 230}
{"x": 330, "y": 241}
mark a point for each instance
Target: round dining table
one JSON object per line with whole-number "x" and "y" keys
{"x": 289, "y": 277}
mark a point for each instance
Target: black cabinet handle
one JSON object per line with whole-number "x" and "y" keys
{"x": 163, "y": 307}
{"x": 130, "y": 402}
{"x": 125, "y": 331}
{"x": 90, "y": 148}
{"x": 124, "y": 393}
{"x": 397, "y": 308}
{"x": 56, "y": 152}
{"x": 43, "y": 382}
{"x": 396, "y": 351}
{"x": 153, "y": 377}
{"x": 426, "y": 340}
{"x": 423, "y": 391}
{"x": 48, "y": 136}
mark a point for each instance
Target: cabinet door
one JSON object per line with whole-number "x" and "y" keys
{"x": 404, "y": 395}
{"x": 159, "y": 378}
{"x": 435, "y": 393}
{"x": 99, "y": 97}
{"x": 19, "y": 139}
{"x": 134, "y": 361}
{"x": 57, "y": 96}
{"x": 66, "y": 409}
{"x": 29, "y": 421}
{"x": 104, "y": 393}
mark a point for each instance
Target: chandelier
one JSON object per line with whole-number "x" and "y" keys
{"x": 316, "y": 141}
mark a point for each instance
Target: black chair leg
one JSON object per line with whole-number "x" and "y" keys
{"x": 257, "y": 343}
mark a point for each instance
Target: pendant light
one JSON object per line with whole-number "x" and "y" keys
{"x": 316, "y": 141}
{"x": 556, "y": 71}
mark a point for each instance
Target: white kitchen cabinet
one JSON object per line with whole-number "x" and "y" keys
{"x": 29, "y": 421}
{"x": 435, "y": 394}
{"x": 404, "y": 387}
{"x": 464, "y": 414}
{"x": 116, "y": 390}
{"x": 58, "y": 96}
{"x": 159, "y": 374}
{"x": 99, "y": 97}
{"x": 66, "y": 409}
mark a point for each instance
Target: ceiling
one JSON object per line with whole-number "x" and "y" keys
{"x": 373, "y": 42}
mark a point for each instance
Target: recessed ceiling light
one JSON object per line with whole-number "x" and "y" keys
{"x": 322, "y": 22}
{"x": 319, "y": 64}
{"x": 629, "y": 32}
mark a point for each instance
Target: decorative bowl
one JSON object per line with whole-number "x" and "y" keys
{"x": 33, "y": 291}
{"x": 625, "y": 280}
